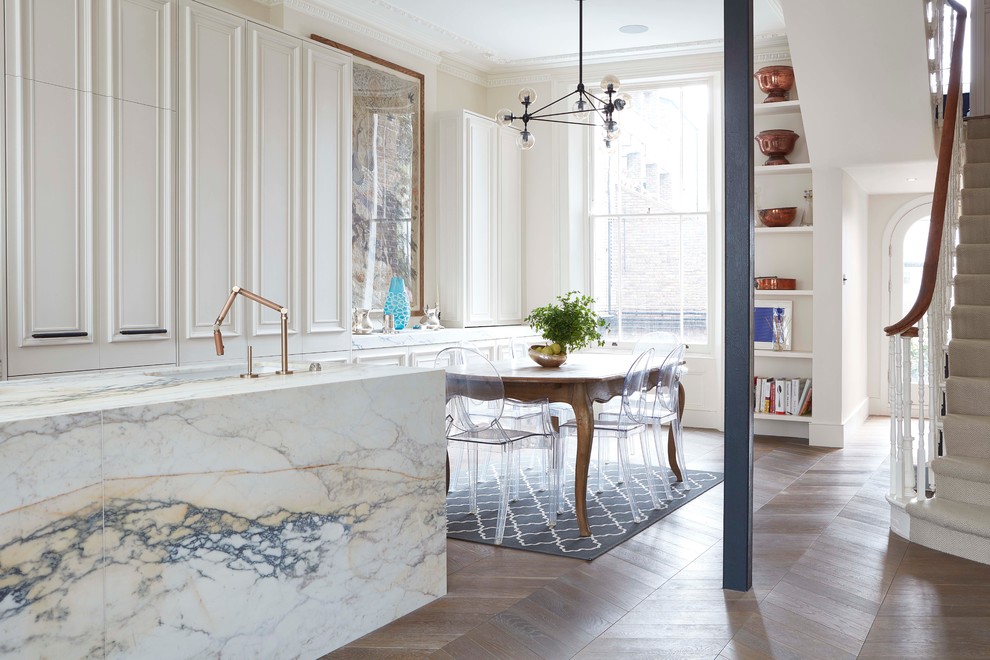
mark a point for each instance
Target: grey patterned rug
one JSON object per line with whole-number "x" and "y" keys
{"x": 608, "y": 512}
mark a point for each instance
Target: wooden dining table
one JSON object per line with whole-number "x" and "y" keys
{"x": 581, "y": 381}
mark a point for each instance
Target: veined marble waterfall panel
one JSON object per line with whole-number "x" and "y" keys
{"x": 271, "y": 524}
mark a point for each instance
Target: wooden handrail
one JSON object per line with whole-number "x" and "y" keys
{"x": 937, "y": 222}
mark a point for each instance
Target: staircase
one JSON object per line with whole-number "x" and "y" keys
{"x": 957, "y": 519}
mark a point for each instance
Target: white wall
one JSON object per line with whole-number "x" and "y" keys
{"x": 855, "y": 284}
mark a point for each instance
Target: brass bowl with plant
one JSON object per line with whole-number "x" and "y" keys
{"x": 569, "y": 324}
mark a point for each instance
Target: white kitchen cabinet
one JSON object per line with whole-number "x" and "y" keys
{"x": 89, "y": 185}
{"x": 326, "y": 210}
{"x": 265, "y": 149}
{"x": 478, "y": 221}
{"x": 273, "y": 187}
{"x": 210, "y": 186}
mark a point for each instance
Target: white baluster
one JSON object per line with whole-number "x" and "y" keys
{"x": 907, "y": 441}
{"x": 921, "y": 471}
{"x": 894, "y": 386}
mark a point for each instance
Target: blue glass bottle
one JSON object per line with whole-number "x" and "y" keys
{"x": 396, "y": 303}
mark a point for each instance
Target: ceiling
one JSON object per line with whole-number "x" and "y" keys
{"x": 514, "y": 34}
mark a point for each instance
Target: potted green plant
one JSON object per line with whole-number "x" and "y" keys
{"x": 569, "y": 324}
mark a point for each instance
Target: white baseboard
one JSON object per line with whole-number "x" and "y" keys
{"x": 856, "y": 418}
{"x": 704, "y": 419}
{"x": 826, "y": 435}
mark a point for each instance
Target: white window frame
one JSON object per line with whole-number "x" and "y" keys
{"x": 715, "y": 214}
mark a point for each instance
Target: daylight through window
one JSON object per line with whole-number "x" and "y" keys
{"x": 651, "y": 215}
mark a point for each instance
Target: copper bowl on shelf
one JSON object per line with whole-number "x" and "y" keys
{"x": 776, "y": 82}
{"x": 778, "y": 217}
{"x": 775, "y": 283}
{"x": 777, "y": 143}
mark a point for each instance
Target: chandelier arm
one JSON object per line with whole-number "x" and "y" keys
{"x": 560, "y": 121}
{"x": 534, "y": 112}
{"x": 558, "y": 114}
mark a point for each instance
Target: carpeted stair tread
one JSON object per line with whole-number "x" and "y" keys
{"x": 969, "y": 468}
{"x": 969, "y": 357}
{"x": 971, "y": 321}
{"x": 977, "y": 127}
{"x": 973, "y": 258}
{"x": 967, "y": 395}
{"x": 972, "y": 289}
{"x": 976, "y": 175}
{"x": 967, "y": 435}
{"x": 974, "y": 228}
{"x": 976, "y": 201}
{"x": 960, "y": 516}
{"x": 962, "y": 479}
{"x": 978, "y": 150}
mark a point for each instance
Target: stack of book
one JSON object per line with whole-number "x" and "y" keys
{"x": 782, "y": 396}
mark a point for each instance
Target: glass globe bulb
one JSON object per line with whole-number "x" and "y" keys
{"x": 612, "y": 131}
{"x": 622, "y": 101}
{"x": 610, "y": 82}
{"x": 526, "y": 140}
{"x": 503, "y": 117}
{"x": 527, "y": 95}
{"x": 581, "y": 108}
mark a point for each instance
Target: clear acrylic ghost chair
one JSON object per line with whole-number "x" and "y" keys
{"x": 665, "y": 408}
{"x": 520, "y": 415}
{"x": 474, "y": 409}
{"x": 630, "y": 420}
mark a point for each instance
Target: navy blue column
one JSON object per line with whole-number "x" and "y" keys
{"x": 737, "y": 560}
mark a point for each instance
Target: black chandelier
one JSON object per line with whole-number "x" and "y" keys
{"x": 585, "y": 104}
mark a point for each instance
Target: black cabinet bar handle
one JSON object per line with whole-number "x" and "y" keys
{"x": 58, "y": 335}
{"x": 146, "y": 331}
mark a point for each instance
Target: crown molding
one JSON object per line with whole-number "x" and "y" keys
{"x": 503, "y": 81}
{"x": 321, "y": 11}
{"x": 457, "y": 71}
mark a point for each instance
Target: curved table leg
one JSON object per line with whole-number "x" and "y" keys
{"x": 585, "y": 421}
{"x": 671, "y": 446}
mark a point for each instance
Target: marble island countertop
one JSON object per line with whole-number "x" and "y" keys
{"x": 412, "y": 337}
{"x": 79, "y": 393}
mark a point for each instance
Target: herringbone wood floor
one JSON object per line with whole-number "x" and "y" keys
{"x": 829, "y": 580}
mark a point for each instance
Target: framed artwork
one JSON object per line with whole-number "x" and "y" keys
{"x": 387, "y": 176}
{"x": 772, "y": 325}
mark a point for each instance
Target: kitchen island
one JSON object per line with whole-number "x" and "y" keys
{"x": 192, "y": 513}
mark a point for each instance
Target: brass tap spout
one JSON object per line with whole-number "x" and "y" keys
{"x": 283, "y": 311}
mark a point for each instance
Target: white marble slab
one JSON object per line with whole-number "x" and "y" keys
{"x": 411, "y": 337}
{"x": 276, "y": 518}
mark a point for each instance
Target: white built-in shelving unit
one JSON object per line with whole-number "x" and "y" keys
{"x": 785, "y": 252}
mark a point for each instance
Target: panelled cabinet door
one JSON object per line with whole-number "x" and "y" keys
{"x": 137, "y": 183}
{"x": 51, "y": 41}
{"x": 326, "y": 209}
{"x": 50, "y": 250}
{"x": 274, "y": 62}
{"x": 509, "y": 244}
{"x": 210, "y": 210}
{"x": 482, "y": 230}
{"x": 136, "y": 48}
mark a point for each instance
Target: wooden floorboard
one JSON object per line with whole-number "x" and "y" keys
{"x": 829, "y": 580}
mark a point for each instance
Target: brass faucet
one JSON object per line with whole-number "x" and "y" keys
{"x": 218, "y": 338}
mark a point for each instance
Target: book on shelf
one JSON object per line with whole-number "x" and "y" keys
{"x": 782, "y": 396}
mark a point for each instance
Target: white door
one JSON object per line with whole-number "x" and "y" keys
{"x": 210, "y": 208}
{"x": 49, "y": 204}
{"x": 482, "y": 236}
{"x": 327, "y": 193}
{"x": 273, "y": 191}
{"x": 509, "y": 284}
{"x": 136, "y": 184}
